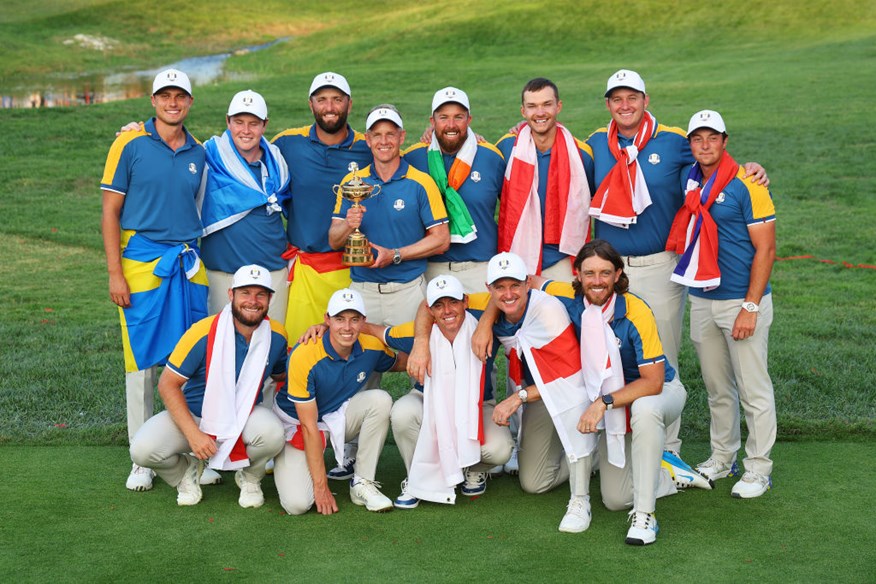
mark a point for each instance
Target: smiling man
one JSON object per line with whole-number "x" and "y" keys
{"x": 326, "y": 394}
{"x": 546, "y": 193}
{"x": 150, "y": 225}
{"x": 210, "y": 388}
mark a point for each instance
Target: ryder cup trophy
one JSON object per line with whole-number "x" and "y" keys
{"x": 357, "y": 250}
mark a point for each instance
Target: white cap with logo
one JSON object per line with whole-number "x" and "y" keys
{"x": 383, "y": 113}
{"x": 329, "y": 79}
{"x": 450, "y": 95}
{"x": 248, "y": 102}
{"x": 345, "y": 299}
{"x": 252, "y": 275}
{"x": 706, "y": 119}
{"x": 171, "y": 78}
{"x": 442, "y": 286}
{"x": 625, "y": 78}
{"x": 506, "y": 265}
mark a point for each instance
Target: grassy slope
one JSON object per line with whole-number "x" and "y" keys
{"x": 778, "y": 74}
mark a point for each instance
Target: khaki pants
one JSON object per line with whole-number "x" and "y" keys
{"x": 542, "y": 460}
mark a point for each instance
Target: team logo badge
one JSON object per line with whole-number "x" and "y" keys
{"x": 247, "y": 100}
{"x": 361, "y": 377}
{"x": 171, "y": 76}
{"x": 347, "y": 297}
{"x": 705, "y": 116}
{"x": 255, "y": 272}
{"x": 621, "y": 75}
{"x": 476, "y": 176}
{"x": 450, "y": 93}
{"x": 441, "y": 284}
{"x": 192, "y": 168}
{"x": 654, "y": 158}
{"x": 618, "y": 341}
{"x": 504, "y": 264}
{"x": 398, "y": 205}
{"x": 720, "y": 197}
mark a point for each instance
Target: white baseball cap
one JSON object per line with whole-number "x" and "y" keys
{"x": 625, "y": 78}
{"x": 171, "y": 78}
{"x": 450, "y": 95}
{"x": 706, "y": 119}
{"x": 248, "y": 102}
{"x": 330, "y": 79}
{"x": 252, "y": 275}
{"x": 383, "y": 113}
{"x": 506, "y": 265}
{"x": 444, "y": 286}
{"x": 345, "y": 299}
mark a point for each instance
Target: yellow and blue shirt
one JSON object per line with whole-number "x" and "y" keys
{"x": 408, "y": 204}
{"x": 314, "y": 168}
{"x": 317, "y": 372}
{"x": 189, "y": 359}
{"x": 160, "y": 185}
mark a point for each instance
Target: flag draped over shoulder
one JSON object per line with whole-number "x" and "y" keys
{"x": 462, "y": 227}
{"x": 694, "y": 233}
{"x": 231, "y": 191}
{"x": 565, "y": 220}
{"x": 547, "y": 340}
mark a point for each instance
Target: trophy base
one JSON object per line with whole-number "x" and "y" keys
{"x": 357, "y": 252}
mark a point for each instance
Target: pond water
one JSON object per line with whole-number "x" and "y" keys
{"x": 62, "y": 90}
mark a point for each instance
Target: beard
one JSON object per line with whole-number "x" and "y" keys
{"x": 334, "y": 128}
{"x": 245, "y": 319}
{"x": 450, "y": 145}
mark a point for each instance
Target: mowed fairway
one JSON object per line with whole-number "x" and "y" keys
{"x": 794, "y": 82}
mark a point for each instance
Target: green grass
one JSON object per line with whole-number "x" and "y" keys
{"x": 793, "y": 81}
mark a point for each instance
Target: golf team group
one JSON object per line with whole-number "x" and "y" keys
{"x": 227, "y": 261}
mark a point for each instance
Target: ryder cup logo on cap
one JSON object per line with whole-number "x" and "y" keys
{"x": 707, "y": 119}
{"x": 329, "y": 79}
{"x": 506, "y": 265}
{"x": 345, "y": 299}
{"x": 171, "y": 78}
{"x": 383, "y": 113}
{"x": 450, "y": 95}
{"x": 252, "y": 275}
{"x": 248, "y": 102}
{"x": 625, "y": 78}
{"x": 444, "y": 286}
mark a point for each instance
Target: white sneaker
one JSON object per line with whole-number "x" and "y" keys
{"x": 644, "y": 528}
{"x": 188, "y": 491}
{"x": 682, "y": 474}
{"x": 251, "y": 495}
{"x": 475, "y": 483}
{"x": 365, "y": 492}
{"x": 342, "y": 473}
{"x": 751, "y": 485}
{"x": 714, "y": 469}
{"x": 512, "y": 467}
{"x": 210, "y": 477}
{"x": 405, "y": 500}
{"x": 140, "y": 478}
{"x": 577, "y": 518}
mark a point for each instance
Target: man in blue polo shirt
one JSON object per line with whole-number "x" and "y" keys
{"x": 210, "y": 387}
{"x": 405, "y": 223}
{"x": 318, "y": 157}
{"x": 731, "y": 302}
{"x": 247, "y": 182}
{"x": 469, "y": 175}
{"x": 326, "y": 393}
{"x": 150, "y": 227}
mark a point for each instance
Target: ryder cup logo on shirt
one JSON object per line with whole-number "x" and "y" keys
{"x": 361, "y": 377}
{"x": 475, "y": 176}
{"x": 720, "y": 197}
{"x": 192, "y": 168}
{"x": 654, "y": 158}
{"x": 398, "y": 205}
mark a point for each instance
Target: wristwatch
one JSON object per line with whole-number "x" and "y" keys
{"x": 523, "y": 395}
{"x": 396, "y": 257}
{"x": 608, "y": 400}
{"x": 750, "y": 307}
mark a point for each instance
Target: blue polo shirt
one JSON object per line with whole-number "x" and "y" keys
{"x": 551, "y": 253}
{"x": 189, "y": 359}
{"x": 400, "y": 214}
{"x": 740, "y": 205}
{"x": 401, "y": 338}
{"x": 317, "y": 372}
{"x": 314, "y": 168}
{"x": 160, "y": 185}
{"x": 480, "y": 191}
{"x": 633, "y": 325}
{"x": 664, "y": 162}
{"x": 258, "y": 238}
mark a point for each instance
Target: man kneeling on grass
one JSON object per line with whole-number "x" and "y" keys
{"x": 210, "y": 387}
{"x": 325, "y": 393}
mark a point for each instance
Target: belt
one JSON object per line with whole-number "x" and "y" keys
{"x": 457, "y": 266}
{"x": 388, "y": 287}
{"x": 661, "y": 257}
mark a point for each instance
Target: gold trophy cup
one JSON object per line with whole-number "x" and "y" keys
{"x": 357, "y": 250}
